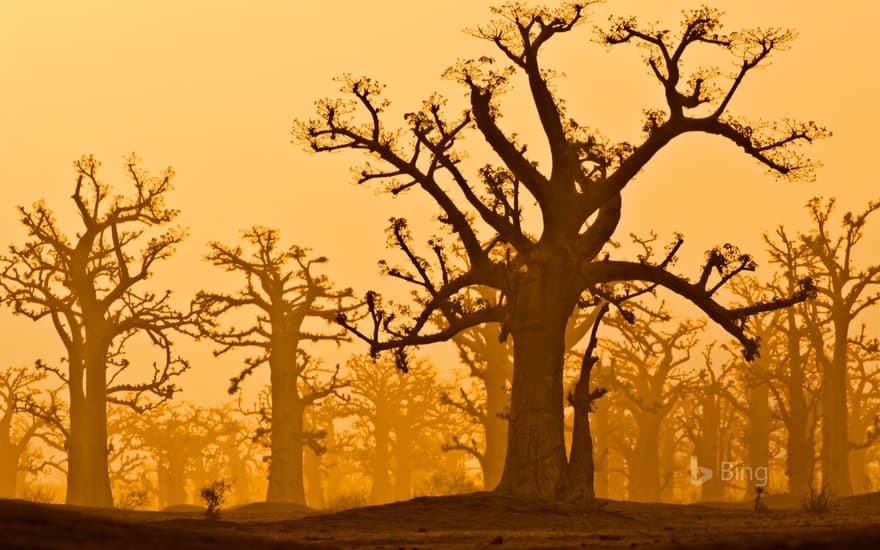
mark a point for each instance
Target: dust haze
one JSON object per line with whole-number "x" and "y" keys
{"x": 583, "y": 274}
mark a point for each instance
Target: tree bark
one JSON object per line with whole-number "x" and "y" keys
{"x": 312, "y": 471}
{"x": 645, "y": 474}
{"x": 382, "y": 490}
{"x": 708, "y": 455}
{"x": 759, "y": 430}
{"x": 536, "y": 465}
{"x": 667, "y": 465}
{"x": 497, "y": 401}
{"x": 800, "y": 451}
{"x": 835, "y": 435}
{"x": 8, "y": 470}
{"x": 286, "y": 463}
{"x": 601, "y": 450}
{"x": 581, "y": 468}
{"x": 403, "y": 472}
{"x": 97, "y": 475}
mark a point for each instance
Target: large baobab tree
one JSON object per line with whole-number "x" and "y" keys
{"x": 89, "y": 284}
{"x": 290, "y": 301}
{"x": 536, "y": 233}
{"x": 845, "y": 291}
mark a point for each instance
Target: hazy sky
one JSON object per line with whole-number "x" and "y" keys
{"x": 212, "y": 87}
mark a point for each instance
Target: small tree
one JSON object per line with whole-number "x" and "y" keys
{"x": 214, "y": 495}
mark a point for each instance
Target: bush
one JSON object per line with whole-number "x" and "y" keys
{"x": 349, "y": 500}
{"x": 818, "y": 502}
{"x": 447, "y": 483}
{"x": 133, "y": 499}
{"x": 39, "y": 493}
{"x": 215, "y": 494}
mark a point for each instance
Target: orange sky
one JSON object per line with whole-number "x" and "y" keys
{"x": 211, "y": 88}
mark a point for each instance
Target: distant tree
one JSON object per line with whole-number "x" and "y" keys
{"x": 89, "y": 286}
{"x": 864, "y": 406}
{"x": 397, "y": 414}
{"x": 173, "y": 436}
{"x": 845, "y": 291}
{"x": 537, "y": 236}
{"x": 707, "y": 420}
{"x": 23, "y": 409}
{"x": 286, "y": 295}
{"x": 233, "y": 433}
{"x": 795, "y": 381}
{"x": 648, "y": 372}
{"x": 490, "y": 362}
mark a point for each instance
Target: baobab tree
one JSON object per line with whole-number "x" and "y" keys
{"x": 396, "y": 414}
{"x": 845, "y": 291}
{"x": 89, "y": 285}
{"x": 286, "y": 294}
{"x": 23, "y": 409}
{"x": 541, "y": 266}
{"x": 795, "y": 380}
{"x": 864, "y": 406}
{"x": 648, "y": 358}
{"x": 490, "y": 361}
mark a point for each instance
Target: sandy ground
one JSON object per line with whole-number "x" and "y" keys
{"x": 468, "y": 521}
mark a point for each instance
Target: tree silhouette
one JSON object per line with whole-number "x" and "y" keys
{"x": 286, "y": 294}
{"x": 490, "y": 361}
{"x": 845, "y": 292}
{"x": 541, "y": 274}
{"x": 24, "y": 407}
{"x": 89, "y": 285}
{"x": 398, "y": 415}
{"x": 648, "y": 358}
{"x": 795, "y": 381}
{"x": 864, "y": 405}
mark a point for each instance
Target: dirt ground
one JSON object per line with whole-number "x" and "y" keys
{"x": 468, "y": 521}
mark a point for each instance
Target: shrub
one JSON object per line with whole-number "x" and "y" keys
{"x": 818, "y": 502}
{"x": 214, "y": 494}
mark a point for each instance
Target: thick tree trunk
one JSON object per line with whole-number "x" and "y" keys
{"x": 497, "y": 401}
{"x": 708, "y": 455}
{"x": 241, "y": 489}
{"x": 835, "y": 435}
{"x": 667, "y": 465}
{"x": 382, "y": 490}
{"x": 286, "y": 463}
{"x": 645, "y": 474}
{"x": 88, "y": 477}
{"x": 581, "y": 469}
{"x": 601, "y": 450}
{"x": 314, "y": 487}
{"x": 800, "y": 451}
{"x": 97, "y": 469}
{"x": 535, "y": 465}
{"x": 403, "y": 473}
{"x": 759, "y": 432}
{"x": 581, "y": 465}
{"x": 76, "y": 439}
{"x": 8, "y": 469}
